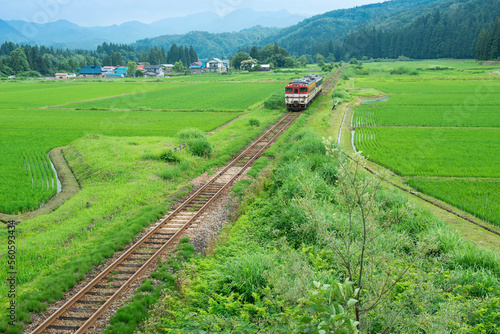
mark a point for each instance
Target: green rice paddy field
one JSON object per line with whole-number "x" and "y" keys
{"x": 31, "y": 124}
{"x": 440, "y": 128}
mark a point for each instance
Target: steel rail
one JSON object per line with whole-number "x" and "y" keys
{"x": 52, "y": 318}
{"x": 117, "y": 294}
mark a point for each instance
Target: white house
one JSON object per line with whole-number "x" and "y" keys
{"x": 60, "y": 76}
{"x": 215, "y": 65}
{"x": 154, "y": 71}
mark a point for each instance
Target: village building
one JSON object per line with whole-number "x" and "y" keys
{"x": 155, "y": 71}
{"x": 168, "y": 67}
{"x": 92, "y": 71}
{"x": 108, "y": 68}
{"x": 196, "y": 67}
{"x": 61, "y": 76}
{"x": 265, "y": 67}
{"x": 215, "y": 65}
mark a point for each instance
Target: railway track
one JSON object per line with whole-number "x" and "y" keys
{"x": 87, "y": 305}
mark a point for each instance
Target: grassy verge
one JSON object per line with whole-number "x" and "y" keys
{"x": 123, "y": 190}
{"x": 260, "y": 277}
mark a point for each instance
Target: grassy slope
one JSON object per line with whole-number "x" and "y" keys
{"x": 253, "y": 281}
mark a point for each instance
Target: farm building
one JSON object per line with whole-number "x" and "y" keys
{"x": 155, "y": 71}
{"x": 265, "y": 67}
{"x": 121, "y": 70}
{"x": 60, "y": 76}
{"x": 92, "y": 71}
{"x": 108, "y": 68}
{"x": 196, "y": 67}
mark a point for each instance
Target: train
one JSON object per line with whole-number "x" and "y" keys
{"x": 300, "y": 93}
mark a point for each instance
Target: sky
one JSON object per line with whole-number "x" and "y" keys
{"x": 91, "y": 13}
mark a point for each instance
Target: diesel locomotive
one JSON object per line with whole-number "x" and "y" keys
{"x": 300, "y": 93}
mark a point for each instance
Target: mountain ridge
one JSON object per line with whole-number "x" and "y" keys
{"x": 65, "y": 34}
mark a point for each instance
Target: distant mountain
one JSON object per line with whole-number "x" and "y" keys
{"x": 336, "y": 25}
{"x": 442, "y": 29}
{"x": 299, "y": 38}
{"x": 208, "y": 44}
{"x": 64, "y": 34}
{"x": 7, "y": 33}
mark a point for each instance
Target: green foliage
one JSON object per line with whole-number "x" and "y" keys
{"x": 400, "y": 70}
{"x": 191, "y": 133}
{"x": 200, "y": 147}
{"x": 275, "y": 102}
{"x": 238, "y": 58}
{"x": 253, "y": 122}
{"x": 257, "y": 166}
{"x": 327, "y": 310}
{"x": 170, "y": 157}
{"x": 169, "y": 173}
{"x": 245, "y": 276}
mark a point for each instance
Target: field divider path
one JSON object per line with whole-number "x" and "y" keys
{"x": 138, "y": 258}
{"x": 431, "y": 200}
{"x": 427, "y": 127}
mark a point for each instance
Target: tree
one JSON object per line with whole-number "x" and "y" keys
{"x": 131, "y": 68}
{"x": 254, "y": 53}
{"x": 193, "y": 54}
{"x": 289, "y": 62}
{"x": 357, "y": 195}
{"x": 320, "y": 60}
{"x": 116, "y": 59}
{"x": 302, "y": 60}
{"x": 179, "y": 67}
{"x": 248, "y": 64}
{"x": 106, "y": 61}
{"x": 139, "y": 73}
{"x": 238, "y": 58}
{"x": 18, "y": 61}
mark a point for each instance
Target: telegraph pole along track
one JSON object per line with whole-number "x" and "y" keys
{"x": 87, "y": 305}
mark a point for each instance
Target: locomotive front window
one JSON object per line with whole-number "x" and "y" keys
{"x": 288, "y": 90}
{"x": 296, "y": 91}
{"x": 303, "y": 90}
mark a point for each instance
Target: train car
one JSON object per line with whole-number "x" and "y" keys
{"x": 300, "y": 93}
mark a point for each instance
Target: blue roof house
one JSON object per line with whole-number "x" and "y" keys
{"x": 92, "y": 71}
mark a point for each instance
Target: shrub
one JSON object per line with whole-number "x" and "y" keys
{"x": 191, "y": 133}
{"x": 363, "y": 71}
{"x": 400, "y": 70}
{"x": 276, "y": 101}
{"x": 245, "y": 275}
{"x": 200, "y": 147}
{"x": 253, "y": 122}
{"x": 168, "y": 156}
